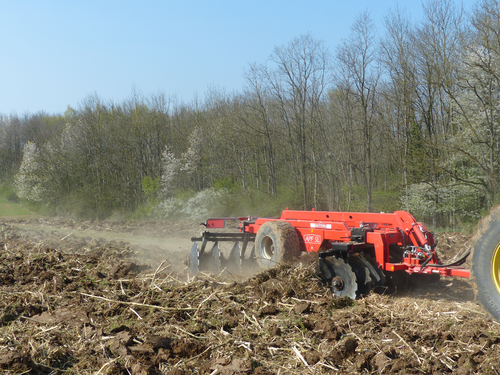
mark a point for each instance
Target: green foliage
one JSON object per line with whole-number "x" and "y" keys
{"x": 7, "y": 191}
{"x": 456, "y": 204}
{"x": 354, "y": 198}
{"x": 9, "y": 208}
{"x": 256, "y": 203}
{"x": 417, "y": 162}
{"x": 226, "y": 183}
{"x": 386, "y": 201}
{"x": 150, "y": 187}
{"x": 146, "y": 210}
{"x": 184, "y": 195}
{"x": 383, "y": 200}
{"x": 266, "y": 205}
{"x": 11, "y": 205}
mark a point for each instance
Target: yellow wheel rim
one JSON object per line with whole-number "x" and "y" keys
{"x": 495, "y": 267}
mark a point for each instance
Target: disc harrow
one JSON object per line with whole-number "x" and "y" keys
{"x": 214, "y": 260}
{"x": 357, "y": 252}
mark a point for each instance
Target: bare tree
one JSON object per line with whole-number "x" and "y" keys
{"x": 297, "y": 85}
{"x": 398, "y": 59}
{"x": 358, "y": 77}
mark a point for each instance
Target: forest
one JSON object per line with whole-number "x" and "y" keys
{"x": 405, "y": 117}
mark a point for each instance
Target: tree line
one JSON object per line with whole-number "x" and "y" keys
{"x": 404, "y": 119}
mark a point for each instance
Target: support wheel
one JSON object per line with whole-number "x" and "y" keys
{"x": 486, "y": 263}
{"x": 276, "y": 242}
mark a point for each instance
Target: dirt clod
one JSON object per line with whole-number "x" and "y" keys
{"x": 348, "y": 345}
{"x": 302, "y": 308}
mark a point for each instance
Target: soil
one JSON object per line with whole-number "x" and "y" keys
{"x": 116, "y": 298}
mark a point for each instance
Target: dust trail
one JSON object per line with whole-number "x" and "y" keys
{"x": 153, "y": 242}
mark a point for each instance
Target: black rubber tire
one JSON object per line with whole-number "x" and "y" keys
{"x": 486, "y": 248}
{"x": 276, "y": 242}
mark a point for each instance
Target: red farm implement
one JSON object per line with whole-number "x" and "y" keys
{"x": 357, "y": 252}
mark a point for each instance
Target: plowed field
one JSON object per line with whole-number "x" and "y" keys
{"x": 116, "y": 298}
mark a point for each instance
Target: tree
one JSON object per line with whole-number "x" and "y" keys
{"x": 399, "y": 61}
{"x": 260, "y": 119}
{"x": 29, "y": 181}
{"x": 475, "y": 147}
{"x": 358, "y": 78}
{"x": 297, "y": 82}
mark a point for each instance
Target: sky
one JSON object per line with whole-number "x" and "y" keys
{"x": 54, "y": 54}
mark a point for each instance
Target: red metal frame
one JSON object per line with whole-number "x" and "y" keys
{"x": 319, "y": 230}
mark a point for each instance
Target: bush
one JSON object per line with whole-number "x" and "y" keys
{"x": 455, "y": 204}
{"x": 7, "y": 191}
{"x": 198, "y": 207}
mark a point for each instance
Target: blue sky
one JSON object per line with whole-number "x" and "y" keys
{"x": 56, "y": 53}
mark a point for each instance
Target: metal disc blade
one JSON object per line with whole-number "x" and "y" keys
{"x": 215, "y": 255}
{"x": 376, "y": 274}
{"x": 252, "y": 253}
{"x": 343, "y": 283}
{"x": 249, "y": 264}
{"x": 194, "y": 261}
{"x": 362, "y": 273}
{"x": 234, "y": 260}
{"x": 324, "y": 270}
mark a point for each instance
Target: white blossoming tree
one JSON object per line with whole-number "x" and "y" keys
{"x": 191, "y": 157}
{"x": 170, "y": 168}
{"x": 175, "y": 172}
{"x": 29, "y": 182}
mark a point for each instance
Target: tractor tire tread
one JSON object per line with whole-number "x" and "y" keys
{"x": 484, "y": 243}
{"x": 289, "y": 238}
{"x": 286, "y": 242}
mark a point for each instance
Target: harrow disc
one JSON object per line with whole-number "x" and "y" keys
{"x": 207, "y": 261}
{"x": 215, "y": 255}
{"x": 194, "y": 259}
{"x": 340, "y": 276}
{"x": 228, "y": 253}
{"x": 377, "y": 278}
{"x": 362, "y": 274}
{"x": 353, "y": 277}
{"x": 233, "y": 263}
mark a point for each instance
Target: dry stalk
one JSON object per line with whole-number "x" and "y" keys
{"x": 189, "y": 333}
{"x": 299, "y": 356}
{"x": 158, "y": 270}
{"x": 409, "y": 347}
{"x": 62, "y": 239}
{"x": 106, "y": 365}
{"x": 305, "y": 300}
{"x": 202, "y": 302}
{"x": 221, "y": 272}
{"x": 328, "y": 366}
{"x": 139, "y": 304}
{"x": 136, "y": 313}
{"x": 121, "y": 287}
{"x": 255, "y": 322}
{"x": 170, "y": 277}
{"x": 199, "y": 355}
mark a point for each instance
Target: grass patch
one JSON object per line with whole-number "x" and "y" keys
{"x": 8, "y": 208}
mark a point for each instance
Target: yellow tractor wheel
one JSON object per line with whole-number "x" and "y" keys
{"x": 486, "y": 263}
